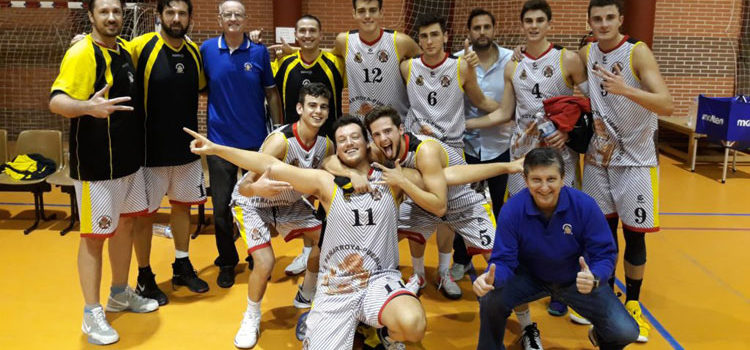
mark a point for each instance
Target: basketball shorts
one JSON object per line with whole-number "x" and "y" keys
{"x": 572, "y": 178}
{"x": 632, "y": 193}
{"x": 183, "y": 184}
{"x": 475, "y": 223}
{"x": 290, "y": 222}
{"x": 334, "y": 318}
{"x": 101, "y": 203}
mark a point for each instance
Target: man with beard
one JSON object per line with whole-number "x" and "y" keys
{"x": 96, "y": 76}
{"x": 169, "y": 74}
{"x": 489, "y": 145}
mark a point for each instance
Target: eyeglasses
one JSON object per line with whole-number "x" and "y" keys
{"x": 229, "y": 15}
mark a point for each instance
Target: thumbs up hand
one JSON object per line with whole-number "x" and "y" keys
{"x": 470, "y": 56}
{"x": 585, "y": 280}
{"x": 485, "y": 282}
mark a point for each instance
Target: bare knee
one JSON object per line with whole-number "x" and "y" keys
{"x": 263, "y": 261}
{"x": 412, "y": 326}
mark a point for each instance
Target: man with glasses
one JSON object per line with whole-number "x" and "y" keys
{"x": 239, "y": 80}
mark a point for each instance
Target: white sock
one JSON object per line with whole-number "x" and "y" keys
{"x": 444, "y": 262}
{"x": 306, "y": 250}
{"x": 418, "y": 265}
{"x": 179, "y": 254}
{"x": 524, "y": 318}
{"x": 253, "y": 307}
{"x": 309, "y": 284}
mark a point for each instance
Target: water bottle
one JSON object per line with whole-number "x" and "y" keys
{"x": 546, "y": 127}
{"x": 162, "y": 231}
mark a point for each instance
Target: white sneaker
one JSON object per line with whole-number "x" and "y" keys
{"x": 129, "y": 300}
{"x": 530, "y": 339}
{"x": 96, "y": 327}
{"x": 298, "y": 265}
{"x": 388, "y": 343}
{"x": 459, "y": 270}
{"x": 300, "y": 301}
{"x": 448, "y": 286}
{"x": 415, "y": 283}
{"x": 249, "y": 332}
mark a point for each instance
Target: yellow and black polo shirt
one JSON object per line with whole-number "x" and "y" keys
{"x": 101, "y": 148}
{"x": 169, "y": 80}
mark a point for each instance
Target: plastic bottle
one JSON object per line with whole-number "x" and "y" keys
{"x": 162, "y": 231}
{"x": 546, "y": 128}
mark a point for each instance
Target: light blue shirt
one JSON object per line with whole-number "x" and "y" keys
{"x": 488, "y": 143}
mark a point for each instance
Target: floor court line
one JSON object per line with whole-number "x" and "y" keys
{"x": 654, "y": 322}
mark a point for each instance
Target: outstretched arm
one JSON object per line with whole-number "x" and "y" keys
{"x": 470, "y": 173}
{"x": 472, "y": 90}
{"x": 308, "y": 181}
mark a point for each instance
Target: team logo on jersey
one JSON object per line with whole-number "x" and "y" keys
{"x": 364, "y": 109}
{"x": 604, "y": 59}
{"x": 420, "y": 80}
{"x": 248, "y": 66}
{"x": 369, "y": 50}
{"x": 445, "y": 81}
{"x": 358, "y": 57}
{"x": 640, "y": 199}
{"x": 104, "y": 222}
{"x": 382, "y": 56}
{"x": 305, "y": 82}
{"x": 523, "y": 75}
{"x": 350, "y": 274}
{"x": 376, "y": 194}
{"x": 534, "y": 65}
{"x": 180, "y": 68}
{"x": 548, "y": 70}
{"x": 255, "y": 234}
{"x": 617, "y": 67}
{"x": 567, "y": 229}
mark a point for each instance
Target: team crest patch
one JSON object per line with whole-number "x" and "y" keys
{"x": 445, "y": 81}
{"x": 604, "y": 59}
{"x": 382, "y": 56}
{"x": 364, "y": 109}
{"x": 617, "y": 67}
{"x": 305, "y": 82}
{"x": 376, "y": 194}
{"x": 548, "y": 70}
{"x": 567, "y": 229}
{"x": 534, "y": 65}
{"x": 419, "y": 80}
{"x": 640, "y": 199}
{"x": 180, "y": 68}
{"x": 248, "y": 66}
{"x": 104, "y": 222}
{"x": 523, "y": 75}
{"x": 358, "y": 57}
{"x": 255, "y": 234}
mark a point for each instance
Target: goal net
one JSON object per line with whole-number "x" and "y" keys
{"x": 32, "y": 44}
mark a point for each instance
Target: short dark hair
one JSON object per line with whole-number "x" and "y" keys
{"x": 543, "y": 156}
{"x": 430, "y": 18}
{"x": 601, "y": 3}
{"x": 380, "y": 112}
{"x": 380, "y": 3}
{"x": 164, "y": 3}
{"x": 479, "y": 12}
{"x": 309, "y": 16}
{"x": 345, "y": 120}
{"x": 314, "y": 90}
{"x": 537, "y": 5}
{"x": 90, "y": 4}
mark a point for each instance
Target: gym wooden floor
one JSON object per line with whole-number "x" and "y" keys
{"x": 696, "y": 292}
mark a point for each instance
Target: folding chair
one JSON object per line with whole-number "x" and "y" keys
{"x": 47, "y": 143}
{"x": 61, "y": 178}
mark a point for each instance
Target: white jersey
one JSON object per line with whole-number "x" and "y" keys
{"x": 296, "y": 154}
{"x": 437, "y": 99}
{"x": 460, "y": 196}
{"x": 626, "y": 132}
{"x": 361, "y": 238}
{"x": 535, "y": 80}
{"x": 373, "y": 74}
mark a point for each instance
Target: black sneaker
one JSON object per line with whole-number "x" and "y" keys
{"x": 183, "y": 274}
{"x": 148, "y": 288}
{"x": 530, "y": 339}
{"x": 226, "y": 276}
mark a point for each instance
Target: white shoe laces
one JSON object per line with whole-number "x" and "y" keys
{"x": 100, "y": 319}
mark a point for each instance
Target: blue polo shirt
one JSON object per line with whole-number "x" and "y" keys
{"x": 550, "y": 250}
{"x": 236, "y": 85}
{"x": 488, "y": 143}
